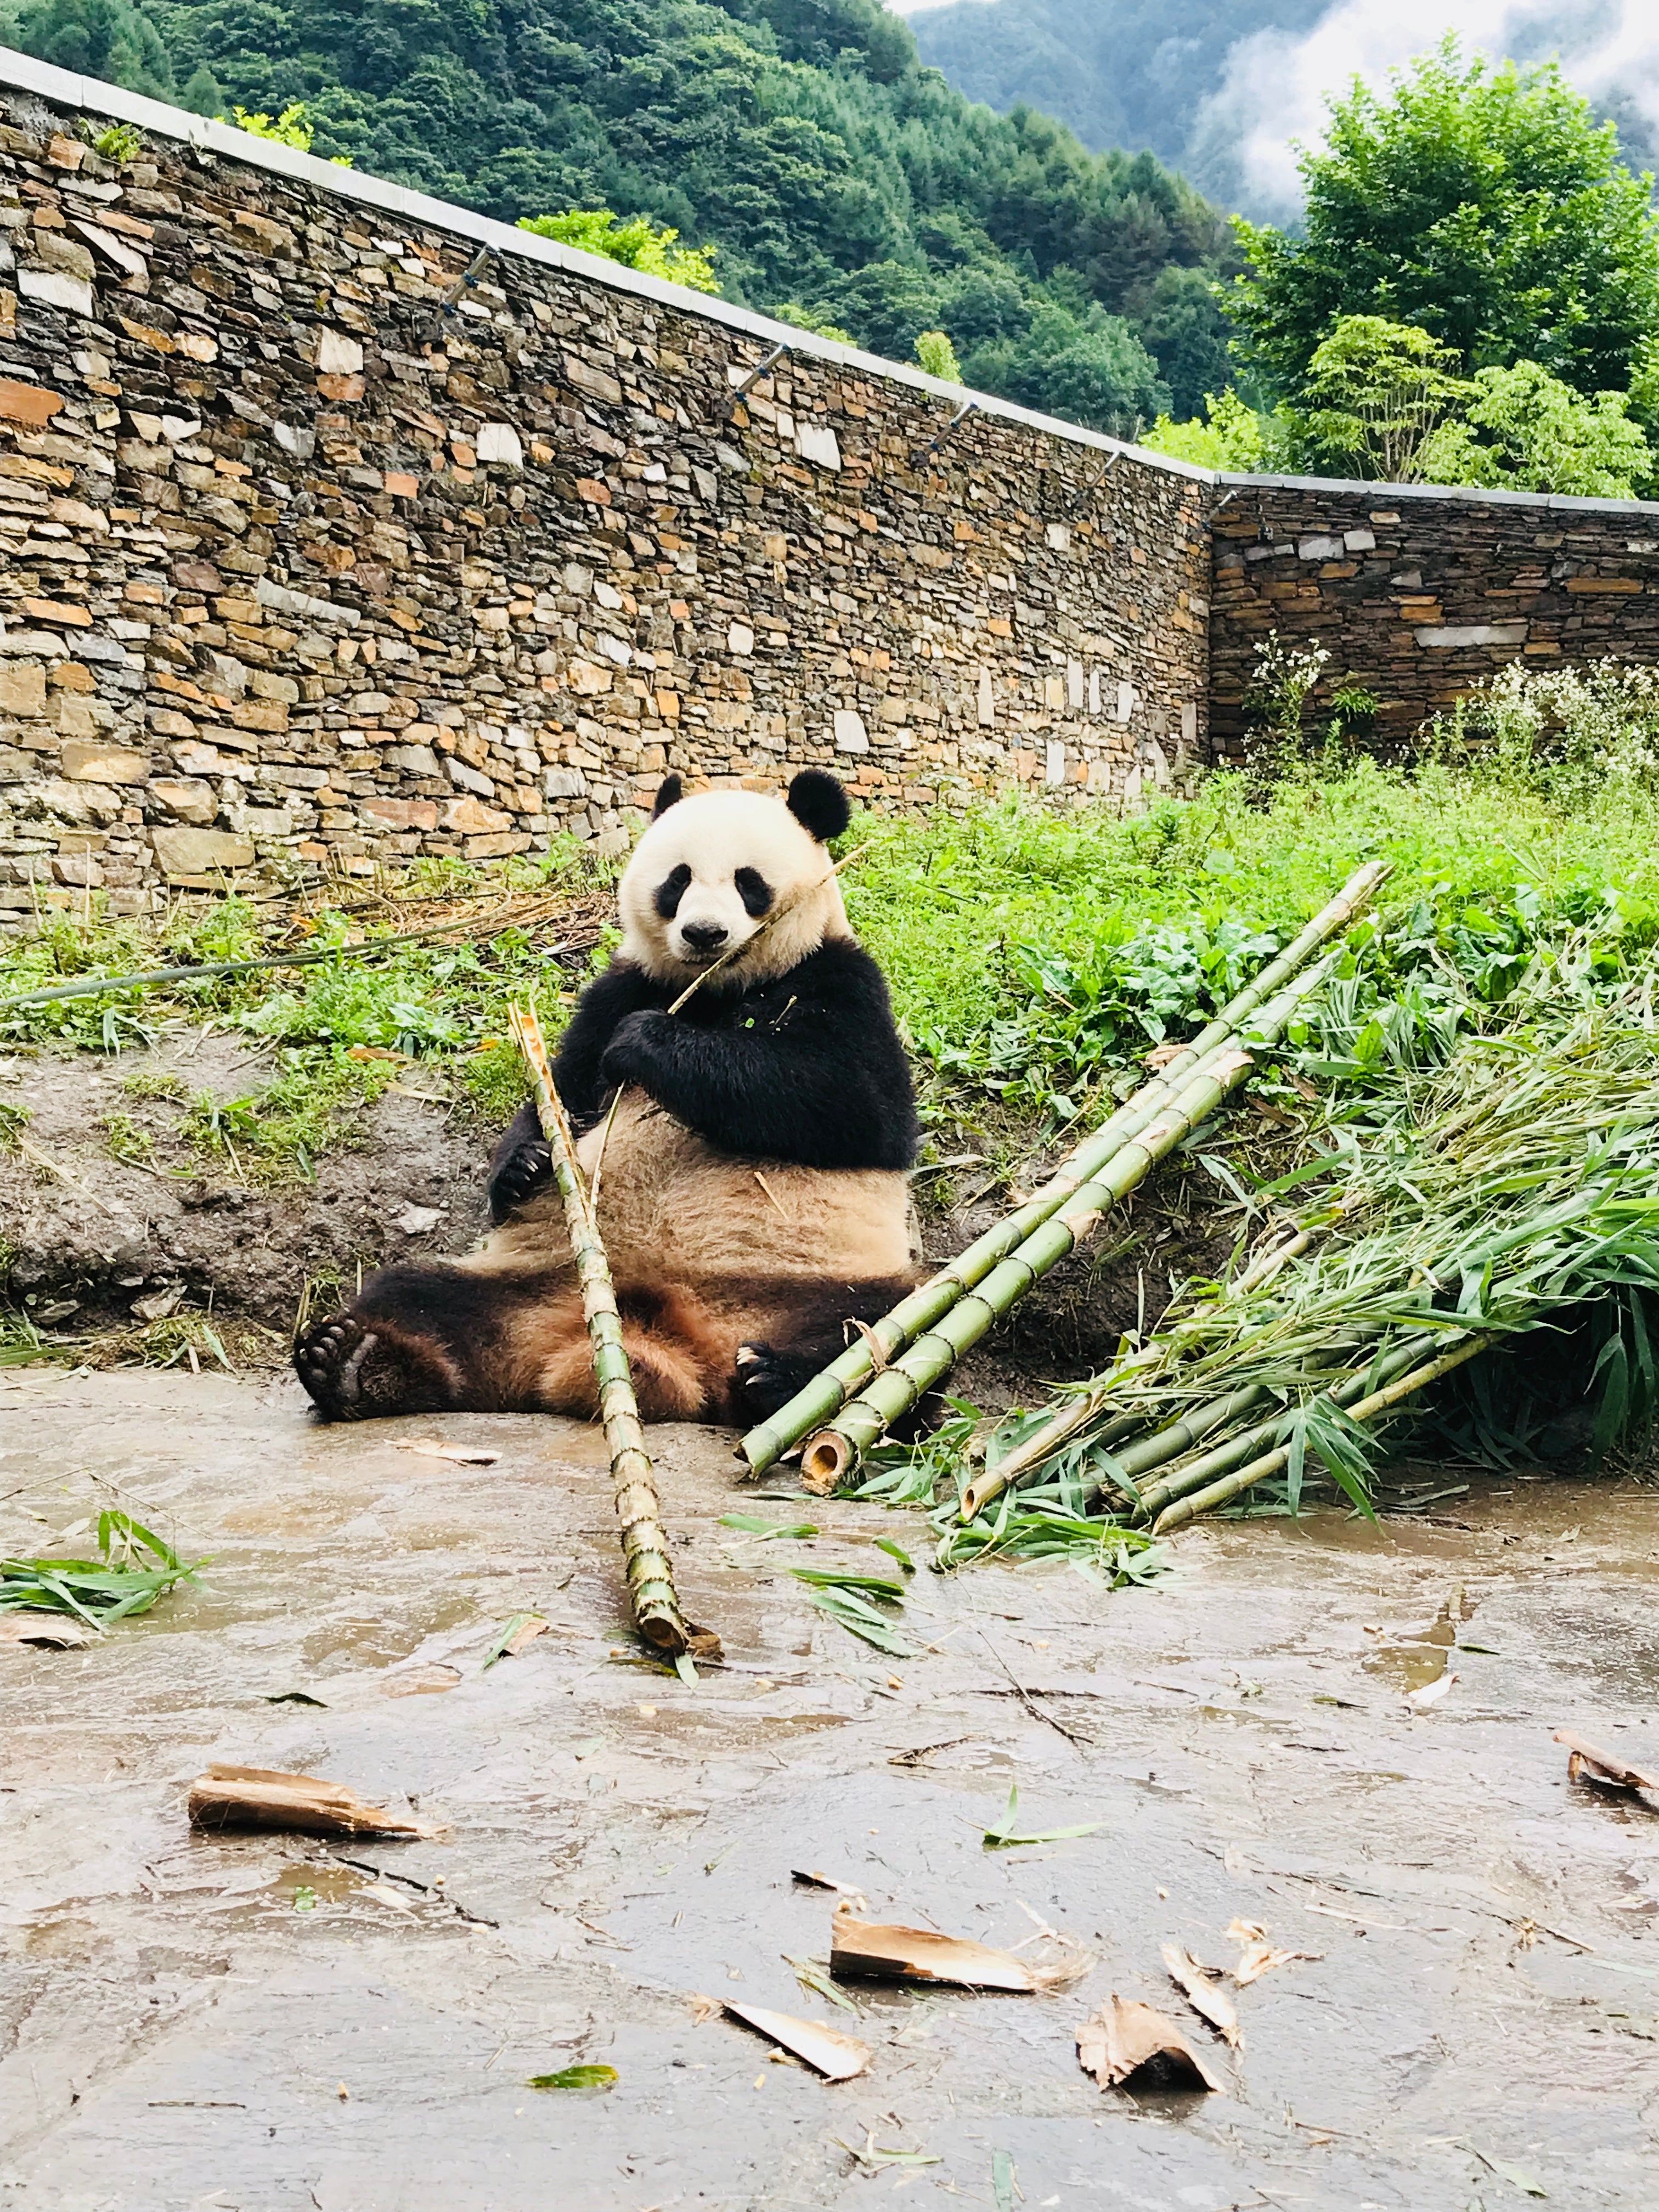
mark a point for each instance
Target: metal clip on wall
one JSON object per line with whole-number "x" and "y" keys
{"x": 961, "y": 416}
{"x": 728, "y": 406}
{"x": 1085, "y": 497}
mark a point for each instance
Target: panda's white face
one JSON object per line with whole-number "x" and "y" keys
{"x": 728, "y": 869}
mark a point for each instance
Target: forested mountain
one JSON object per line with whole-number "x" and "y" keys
{"x": 1117, "y": 72}
{"x": 1217, "y": 88}
{"x": 804, "y": 139}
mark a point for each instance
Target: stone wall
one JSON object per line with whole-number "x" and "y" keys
{"x": 315, "y": 558}
{"x": 1419, "y": 594}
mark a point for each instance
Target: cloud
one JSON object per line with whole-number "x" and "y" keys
{"x": 1276, "y": 85}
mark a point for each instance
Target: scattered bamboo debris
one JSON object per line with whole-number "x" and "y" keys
{"x": 53, "y": 1629}
{"x": 867, "y": 1950}
{"x": 1207, "y": 1998}
{"x": 823, "y": 1398}
{"x": 1587, "y": 1763}
{"x": 260, "y": 1797}
{"x": 651, "y": 1594}
{"x": 521, "y": 1630}
{"x": 462, "y": 1455}
{"x": 1122, "y": 2041}
{"x": 836, "y": 2056}
{"x": 1257, "y": 1956}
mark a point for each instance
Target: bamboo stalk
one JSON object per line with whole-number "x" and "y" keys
{"x": 824, "y": 1396}
{"x": 1165, "y": 1444}
{"x": 1194, "y": 1474}
{"x": 831, "y": 1453}
{"x": 651, "y": 1594}
{"x": 1380, "y": 1401}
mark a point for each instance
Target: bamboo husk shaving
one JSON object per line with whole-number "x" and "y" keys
{"x": 304, "y": 1804}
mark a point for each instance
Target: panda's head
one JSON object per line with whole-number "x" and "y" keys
{"x": 723, "y": 870}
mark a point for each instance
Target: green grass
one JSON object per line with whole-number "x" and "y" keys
{"x": 1034, "y": 954}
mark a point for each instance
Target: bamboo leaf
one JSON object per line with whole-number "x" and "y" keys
{"x": 848, "y": 1579}
{"x": 576, "y": 2077}
{"x": 753, "y": 1524}
{"x": 895, "y": 1551}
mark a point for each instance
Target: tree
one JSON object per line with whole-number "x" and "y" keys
{"x": 1523, "y": 430}
{"x": 936, "y": 353}
{"x": 1234, "y": 436}
{"x": 1378, "y": 389}
{"x": 1483, "y": 205}
{"x": 637, "y": 244}
{"x": 98, "y": 37}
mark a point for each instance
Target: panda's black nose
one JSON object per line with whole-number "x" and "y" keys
{"x": 704, "y": 936}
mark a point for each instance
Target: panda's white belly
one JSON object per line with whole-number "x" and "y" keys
{"x": 672, "y": 1209}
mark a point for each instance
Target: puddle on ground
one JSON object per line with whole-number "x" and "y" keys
{"x": 1408, "y": 1666}
{"x": 370, "y": 1641}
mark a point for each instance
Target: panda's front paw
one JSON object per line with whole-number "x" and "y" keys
{"x": 520, "y": 1177}
{"x": 635, "y": 1047}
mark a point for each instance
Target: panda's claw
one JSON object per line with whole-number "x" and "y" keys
{"x": 521, "y": 1177}
{"x": 763, "y": 1379}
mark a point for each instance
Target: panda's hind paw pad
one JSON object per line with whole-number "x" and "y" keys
{"x": 329, "y": 1363}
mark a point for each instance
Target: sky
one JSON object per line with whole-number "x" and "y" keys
{"x": 1275, "y": 86}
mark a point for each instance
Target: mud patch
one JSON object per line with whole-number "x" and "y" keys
{"x": 92, "y": 1238}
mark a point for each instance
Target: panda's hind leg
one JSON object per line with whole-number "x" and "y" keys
{"x": 356, "y": 1369}
{"x": 676, "y": 1358}
{"x": 438, "y": 1337}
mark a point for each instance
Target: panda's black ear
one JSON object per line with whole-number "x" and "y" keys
{"x": 670, "y": 791}
{"x": 818, "y": 804}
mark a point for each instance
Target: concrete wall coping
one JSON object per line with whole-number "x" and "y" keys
{"x": 1392, "y": 495}
{"x": 211, "y": 140}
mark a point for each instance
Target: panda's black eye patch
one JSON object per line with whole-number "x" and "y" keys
{"x": 754, "y": 891}
{"x": 671, "y": 890}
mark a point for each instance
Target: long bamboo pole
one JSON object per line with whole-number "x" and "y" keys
{"x": 1380, "y": 1401}
{"x": 830, "y": 1455}
{"x": 651, "y": 1594}
{"x": 824, "y": 1396}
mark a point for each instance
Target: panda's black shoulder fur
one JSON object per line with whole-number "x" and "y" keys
{"x": 806, "y": 1067}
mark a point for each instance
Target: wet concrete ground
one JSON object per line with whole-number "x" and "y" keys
{"x": 1478, "y": 2024}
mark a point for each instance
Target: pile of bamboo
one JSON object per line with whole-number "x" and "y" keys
{"x": 1511, "y": 1190}
{"x": 852, "y": 1403}
{"x": 1502, "y": 1190}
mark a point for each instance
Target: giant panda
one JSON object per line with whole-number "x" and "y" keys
{"x": 754, "y": 1189}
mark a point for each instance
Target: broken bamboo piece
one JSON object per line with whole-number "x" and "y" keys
{"x": 651, "y": 1594}
{"x": 830, "y": 1455}
{"x": 824, "y": 1396}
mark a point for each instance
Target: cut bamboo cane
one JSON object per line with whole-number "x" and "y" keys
{"x": 1380, "y": 1401}
{"x": 651, "y": 1594}
{"x": 824, "y": 1396}
{"x": 830, "y": 1455}
{"x": 1194, "y": 1474}
{"x": 1164, "y": 1444}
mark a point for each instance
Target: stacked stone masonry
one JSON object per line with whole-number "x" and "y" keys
{"x": 1421, "y": 596}
{"x": 302, "y": 570}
